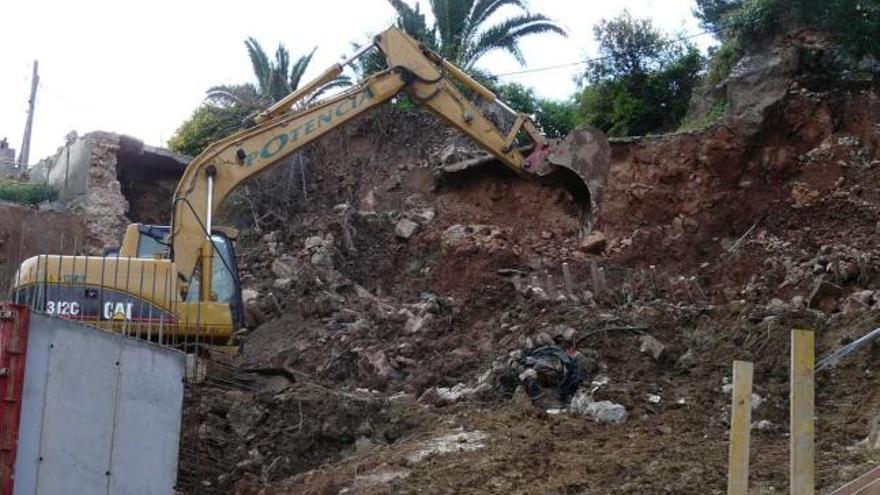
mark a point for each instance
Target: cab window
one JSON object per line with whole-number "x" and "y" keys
{"x": 149, "y": 247}
{"x": 223, "y": 280}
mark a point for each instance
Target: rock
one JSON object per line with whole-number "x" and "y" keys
{"x": 594, "y": 243}
{"x": 405, "y": 228}
{"x": 285, "y": 267}
{"x": 417, "y": 323}
{"x": 378, "y": 360}
{"x": 687, "y": 360}
{"x": 865, "y": 297}
{"x": 441, "y": 396}
{"x": 798, "y": 302}
{"x": 453, "y": 154}
{"x": 254, "y": 460}
{"x": 776, "y": 306}
{"x": 756, "y": 82}
{"x": 546, "y": 235}
{"x": 423, "y": 217}
{"x": 313, "y": 242}
{"x": 455, "y": 234}
{"x": 282, "y": 283}
{"x": 757, "y": 400}
{"x": 603, "y": 411}
{"x": 564, "y": 332}
{"x": 249, "y": 296}
{"x": 651, "y": 346}
{"x": 763, "y": 425}
{"x": 322, "y": 257}
{"x": 542, "y": 339}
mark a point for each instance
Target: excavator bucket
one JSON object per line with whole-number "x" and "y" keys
{"x": 579, "y": 163}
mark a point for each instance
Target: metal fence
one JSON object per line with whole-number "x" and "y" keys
{"x": 130, "y": 308}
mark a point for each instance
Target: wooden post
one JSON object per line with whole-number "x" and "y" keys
{"x": 740, "y": 429}
{"x": 802, "y": 469}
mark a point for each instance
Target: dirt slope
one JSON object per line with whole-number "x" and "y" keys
{"x": 370, "y": 346}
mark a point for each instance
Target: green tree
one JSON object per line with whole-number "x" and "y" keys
{"x": 461, "y": 32}
{"x": 641, "y": 82}
{"x": 221, "y": 114}
{"x": 555, "y": 119}
{"x": 226, "y": 108}
{"x": 712, "y": 14}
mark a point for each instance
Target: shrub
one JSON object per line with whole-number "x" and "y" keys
{"x": 642, "y": 82}
{"x": 26, "y": 193}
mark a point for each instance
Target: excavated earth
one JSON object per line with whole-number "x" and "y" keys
{"x": 376, "y": 312}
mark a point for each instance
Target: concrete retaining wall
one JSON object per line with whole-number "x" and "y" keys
{"x": 101, "y": 413}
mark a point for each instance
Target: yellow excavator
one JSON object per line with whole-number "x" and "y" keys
{"x": 180, "y": 283}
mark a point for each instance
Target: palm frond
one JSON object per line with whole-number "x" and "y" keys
{"x": 507, "y": 34}
{"x": 229, "y": 95}
{"x": 299, "y": 69}
{"x": 483, "y": 9}
{"x": 278, "y": 87}
{"x": 339, "y": 82}
{"x": 451, "y": 22}
{"x": 259, "y": 62}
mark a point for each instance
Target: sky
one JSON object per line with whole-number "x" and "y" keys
{"x": 141, "y": 68}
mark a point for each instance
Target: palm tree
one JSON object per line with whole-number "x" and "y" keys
{"x": 460, "y": 32}
{"x": 277, "y": 78}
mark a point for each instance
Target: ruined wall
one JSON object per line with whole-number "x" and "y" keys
{"x": 102, "y": 206}
{"x": 69, "y": 169}
{"x": 112, "y": 180}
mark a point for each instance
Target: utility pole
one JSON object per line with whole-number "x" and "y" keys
{"x": 26, "y": 142}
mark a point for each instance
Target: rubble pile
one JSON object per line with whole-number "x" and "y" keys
{"x": 464, "y": 315}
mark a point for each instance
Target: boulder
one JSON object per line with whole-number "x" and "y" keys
{"x": 594, "y": 243}
{"x": 603, "y": 411}
{"x": 405, "y": 228}
{"x": 759, "y": 81}
{"x": 651, "y": 346}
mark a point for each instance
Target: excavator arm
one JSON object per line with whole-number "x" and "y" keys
{"x": 283, "y": 129}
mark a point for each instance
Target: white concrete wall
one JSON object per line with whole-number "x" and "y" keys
{"x": 101, "y": 413}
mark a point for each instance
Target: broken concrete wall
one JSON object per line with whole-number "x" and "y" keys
{"x": 112, "y": 180}
{"x": 69, "y": 170}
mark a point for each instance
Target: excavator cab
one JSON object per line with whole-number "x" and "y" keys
{"x": 152, "y": 242}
